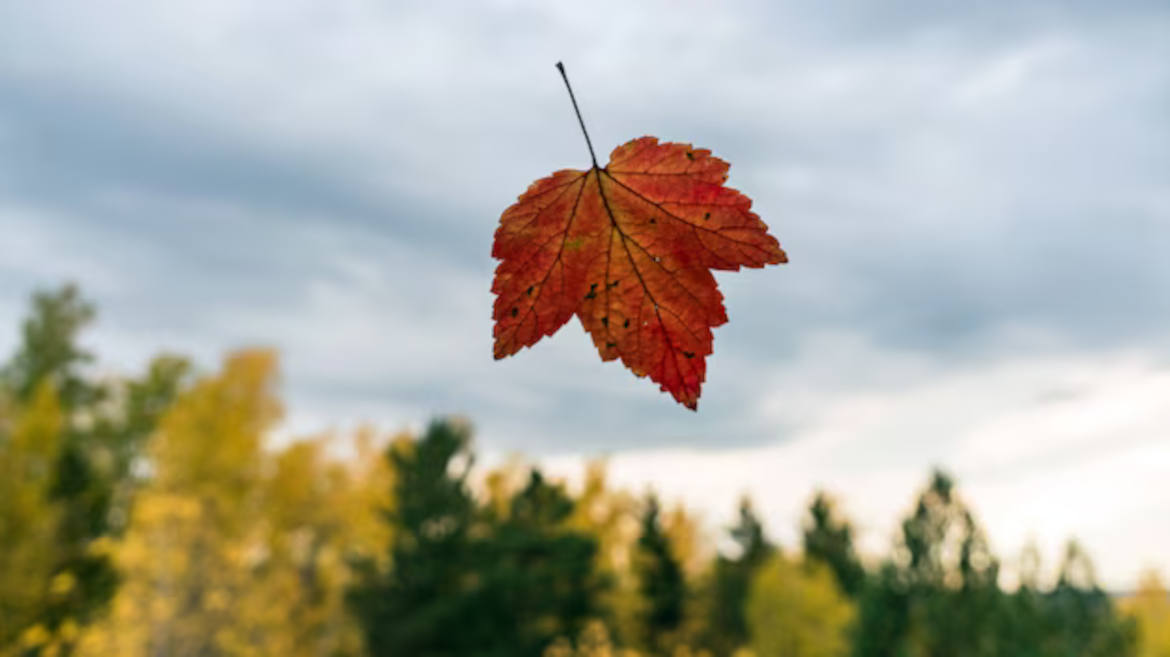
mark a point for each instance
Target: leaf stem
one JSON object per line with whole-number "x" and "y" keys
{"x": 561, "y": 68}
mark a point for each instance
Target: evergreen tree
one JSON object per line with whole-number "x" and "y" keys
{"x": 421, "y": 605}
{"x": 538, "y": 576}
{"x": 466, "y": 580}
{"x": 940, "y": 595}
{"x": 661, "y": 583}
{"x": 1082, "y": 620}
{"x": 48, "y": 349}
{"x": 727, "y": 628}
{"x": 830, "y": 540}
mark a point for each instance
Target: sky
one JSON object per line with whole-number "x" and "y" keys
{"x": 974, "y": 198}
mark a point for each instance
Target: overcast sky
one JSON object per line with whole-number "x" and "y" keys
{"x": 975, "y": 198}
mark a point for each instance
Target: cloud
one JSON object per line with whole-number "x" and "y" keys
{"x": 970, "y": 195}
{"x": 1044, "y": 449}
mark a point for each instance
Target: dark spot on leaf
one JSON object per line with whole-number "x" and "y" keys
{"x": 613, "y": 283}
{"x": 592, "y": 291}
{"x": 605, "y": 321}
{"x": 528, "y": 291}
{"x": 689, "y": 354}
{"x": 707, "y": 217}
{"x": 690, "y": 155}
{"x": 610, "y": 345}
{"x": 515, "y": 311}
{"x": 653, "y": 220}
{"x": 626, "y": 324}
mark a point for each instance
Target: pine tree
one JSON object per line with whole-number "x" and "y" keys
{"x": 421, "y": 604}
{"x": 940, "y": 595}
{"x": 727, "y": 628}
{"x": 660, "y": 582}
{"x": 539, "y": 579}
{"x": 829, "y": 539}
{"x": 1081, "y": 617}
{"x": 511, "y": 576}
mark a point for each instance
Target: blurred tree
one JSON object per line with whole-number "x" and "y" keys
{"x": 316, "y": 521}
{"x": 30, "y": 438}
{"x": 48, "y": 349}
{"x": 731, "y": 579}
{"x": 829, "y": 539}
{"x": 102, "y": 428}
{"x": 610, "y": 515}
{"x": 1081, "y": 618}
{"x": 512, "y": 577}
{"x": 192, "y": 551}
{"x": 594, "y": 641}
{"x": 538, "y": 577}
{"x": 797, "y": 610}
{"x": 691, "y": 552}
{"x": 117, "y": 439}
{"x": 939, "y": 595}
{"x": 1150, "y": 608}
{"x": 48, "y": 353}
{"x": 1023, "y": 625}
{"x": 661, "y": 584}
{"x": 412, "y": 607}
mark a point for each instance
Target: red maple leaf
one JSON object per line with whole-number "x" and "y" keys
{"x": 629, "y": 249}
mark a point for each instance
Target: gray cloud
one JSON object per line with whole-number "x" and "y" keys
{"x": 956, "y": 183}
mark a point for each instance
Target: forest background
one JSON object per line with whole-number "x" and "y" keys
{"x": 973, "y": 197}
{"x": 150, "y": 515}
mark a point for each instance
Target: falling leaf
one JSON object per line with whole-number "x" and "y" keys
{"x": 628, "y": 248}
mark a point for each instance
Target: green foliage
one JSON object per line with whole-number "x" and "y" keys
{"x": 49, "y": 351}
{"x": 147, "y": 515}
{"x": 939, "y": 595}
{"x": 538, "y": 578}
{"x": 409, "y": 608}
{"x": 1081, "y": 617}
{"x": 797, "y": 610}
{"x": 829, "y": 539}
{"x": 660, "y": 583}
{"x": 510, "y": 582}
{"x": 727, "y": 627}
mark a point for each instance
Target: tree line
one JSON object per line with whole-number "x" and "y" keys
{"x": 148, "y": 515}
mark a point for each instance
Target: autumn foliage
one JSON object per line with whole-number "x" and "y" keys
{"x": 628, "y": 248}
{"x": 207, "y": 533}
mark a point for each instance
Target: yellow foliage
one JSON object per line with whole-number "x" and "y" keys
{"x": 30, "y": 440}
{"x": 593, "y": 642}
{"x": 797, "y": 610}
{"x": 1150, "y": 608}
{"x": 235, "y": 551}
{"x": 685, "y": 535}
